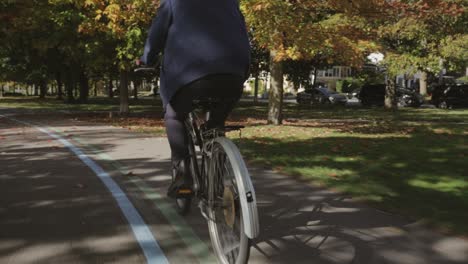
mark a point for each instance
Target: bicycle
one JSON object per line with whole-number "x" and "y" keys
{"x": 222, "y": 185}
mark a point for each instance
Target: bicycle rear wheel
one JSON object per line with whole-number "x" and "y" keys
{"x": 226, "y": 225}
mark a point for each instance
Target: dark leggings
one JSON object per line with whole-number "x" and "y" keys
{"x": 223, "y": 87}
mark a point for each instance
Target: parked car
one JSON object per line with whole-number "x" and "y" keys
{"x": 448, "y": 96}
{"x": 409, "y": 97}
{"x": 321, "y": 95}
{"x": 355, "y": 93}
{"x": 374, "y": 94}
{"x": 304, "y": 97}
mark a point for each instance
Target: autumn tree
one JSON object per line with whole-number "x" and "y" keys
{"x": 306, "y": 30}
{"x": 259, "y": 63}
{"x": 420, "y": 35}
{"x": 70, "y": 50}
{"x": 23, "y": 59}
{"x": 299, "y": 71}
{"x": 42, "y": 43}
{"x": 125, "y": 22}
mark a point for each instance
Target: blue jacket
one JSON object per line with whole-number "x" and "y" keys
{"x": 197, "y": 38}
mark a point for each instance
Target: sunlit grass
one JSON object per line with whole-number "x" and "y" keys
{"x": 416, "y": 170}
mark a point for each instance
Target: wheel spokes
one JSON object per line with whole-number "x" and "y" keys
{"x": 226, "y": 207}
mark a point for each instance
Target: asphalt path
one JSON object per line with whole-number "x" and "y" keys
{"x": 73, "y": 192}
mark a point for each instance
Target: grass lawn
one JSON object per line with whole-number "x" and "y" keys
{"x": 418, "y": 171}
{"x": 413, "y": 161}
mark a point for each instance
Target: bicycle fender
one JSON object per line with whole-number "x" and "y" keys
{"x": 246, "y": 190}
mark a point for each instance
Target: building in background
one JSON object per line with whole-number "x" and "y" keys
{"x": 331, "y": 75}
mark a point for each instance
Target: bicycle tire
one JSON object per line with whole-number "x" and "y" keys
{"x": 226, "y": 224}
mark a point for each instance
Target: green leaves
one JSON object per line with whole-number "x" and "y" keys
{"x": 125, "y": 22}
{"x": 454, "y": 49}
{"x": 418, "y": 35}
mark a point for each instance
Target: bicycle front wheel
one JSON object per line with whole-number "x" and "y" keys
{"x": 226, "y": 224}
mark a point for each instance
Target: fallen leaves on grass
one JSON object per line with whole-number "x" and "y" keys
{"x": 335, "y": 149}
{"x": 146, "y": 123}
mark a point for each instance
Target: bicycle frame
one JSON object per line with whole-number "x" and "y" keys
{"x": 201, "y": 137}
{"x": 196, "y": 139}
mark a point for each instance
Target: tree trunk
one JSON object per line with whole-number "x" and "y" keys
{"x": 2, "y": 89}
{"x": 84, "y": 87}
{"x": 423, "y": 83}
{"x": 36, "y": 89}
{"x": 58, "y": 77}
{"x": 135, "y": 89}
{"x": 275, "y": 107}
{"x": 124, "y": 108}
{"x": 111, "y": 88}
{"x": 256, "y": 89}
{"x": 76, "y": 89}
{"x": 390, "y": 93}
{"x": 135, "y": 83}
{"x": 155, "y": 86}
{"x": 442, "y": 70}
{"x": 95, "y": 88}
{"x": 315, "y": 76}
{"x": 69, "y": 86}
{"x": 43, "y": 89}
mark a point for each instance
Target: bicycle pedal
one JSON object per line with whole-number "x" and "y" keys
{"x": 184, "y": 191}
{"x": 181, "y": 193}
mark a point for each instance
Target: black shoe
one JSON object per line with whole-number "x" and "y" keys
{"x": 182, "y": 183}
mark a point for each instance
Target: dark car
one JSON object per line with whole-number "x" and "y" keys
{"x": 449, "y": 96}
{"x": 321, "y": 95}
{"x": 374, "y": 94}
{"x": 409, "y": 97}
{"x": 304, "y": 97}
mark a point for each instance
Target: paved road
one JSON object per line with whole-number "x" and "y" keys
{"x": 54, "y": 208}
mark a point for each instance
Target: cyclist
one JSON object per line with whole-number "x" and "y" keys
{"x": 206, "y": 55}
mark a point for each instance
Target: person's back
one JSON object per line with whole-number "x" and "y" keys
{"x": 213, "y": 36}
{"x": 203, "y": 37}
{"x": 206, "y": 55}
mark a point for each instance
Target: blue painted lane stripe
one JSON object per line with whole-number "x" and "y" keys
{"x": 149, "y": 245}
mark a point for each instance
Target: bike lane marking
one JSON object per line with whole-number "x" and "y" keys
{"x": 196, "y": 246}
{"x": 142, "y": 233}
